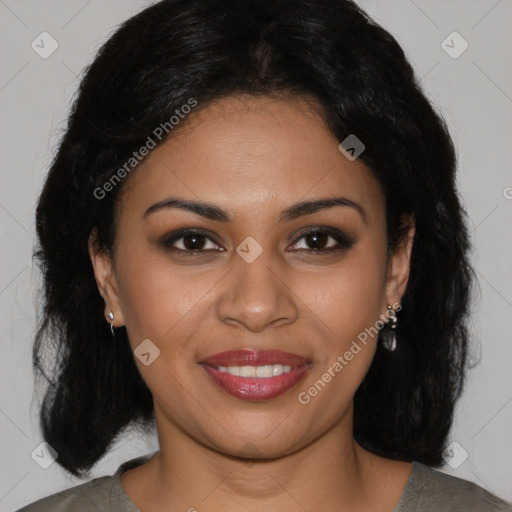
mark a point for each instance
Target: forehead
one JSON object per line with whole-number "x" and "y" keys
{"x": 249, "y": 152}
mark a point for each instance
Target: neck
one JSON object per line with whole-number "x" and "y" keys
{"x": 332, "y": 473}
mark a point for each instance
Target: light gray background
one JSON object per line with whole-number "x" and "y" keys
{"x": 474, "y": 94}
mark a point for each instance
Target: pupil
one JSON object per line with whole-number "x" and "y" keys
{"x": 192, "y": 246}
{"x": 317, "y": 237}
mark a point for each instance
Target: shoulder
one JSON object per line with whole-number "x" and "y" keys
{"x": 428, "y": 489}
{"x": 103, "y": 494}
{"x": 93, "y": 496}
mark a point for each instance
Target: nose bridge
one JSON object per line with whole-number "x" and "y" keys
{"x": 255, "y": 295}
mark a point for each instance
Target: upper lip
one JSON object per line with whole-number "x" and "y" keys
{"x": 247, "y": 357}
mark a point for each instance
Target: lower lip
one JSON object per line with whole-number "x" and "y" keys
{"x": 254, "y": 388}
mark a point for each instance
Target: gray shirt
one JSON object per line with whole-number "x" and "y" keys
{"x": 427, "y": 490}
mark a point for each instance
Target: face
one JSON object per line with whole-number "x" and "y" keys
{"x": 294, "y": 289}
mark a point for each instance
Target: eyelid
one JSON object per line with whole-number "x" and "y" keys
{"x": 173, "y": 237}
{"x": 343, "y": 241}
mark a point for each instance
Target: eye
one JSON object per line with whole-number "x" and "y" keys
{"x": 190, "y": 240}
{"x": 314, "y": 241}
{"x": 318, "y": 239}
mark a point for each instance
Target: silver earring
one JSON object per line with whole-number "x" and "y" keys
{"x": 111, "y": 316}
{"x": 388, "y": 333}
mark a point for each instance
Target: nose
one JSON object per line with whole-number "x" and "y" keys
{"x": 256, "y": 295}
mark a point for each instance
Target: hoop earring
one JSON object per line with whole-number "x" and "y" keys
{"x": 111, "y": 316}
{"x": 389, "y": 331}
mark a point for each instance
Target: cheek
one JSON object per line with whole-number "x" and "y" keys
{"x": 164, "y": 302}
{"x": 345, "y": 306}
{"x": 165, "y": 307}
{"x": 345, "y": 303}
{"x": 155, "y": 301}
{"x": 160, "y": 299}
{"x": 348, "y": 298}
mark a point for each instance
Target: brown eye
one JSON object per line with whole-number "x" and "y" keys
{"x": 321, "y": 241}
{"x": 193, "y": 242}
{"x": 190, "y": 241}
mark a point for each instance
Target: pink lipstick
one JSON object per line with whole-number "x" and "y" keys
{"x": 255, "y": 374}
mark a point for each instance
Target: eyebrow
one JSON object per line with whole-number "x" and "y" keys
{"x": 213, "y": 212}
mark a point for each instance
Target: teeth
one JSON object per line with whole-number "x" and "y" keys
{"x": 266, "y": 370}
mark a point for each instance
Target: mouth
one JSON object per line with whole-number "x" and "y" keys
{"x": 255, "y": 374}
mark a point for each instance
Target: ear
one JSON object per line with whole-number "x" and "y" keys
{"x": 106, "y": 279}
{"x": 399, "y": 266}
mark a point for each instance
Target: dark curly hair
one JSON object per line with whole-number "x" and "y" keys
{"x": 328, "y": 50}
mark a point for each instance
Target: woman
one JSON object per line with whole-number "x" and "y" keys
{"x": 247, "y": 237}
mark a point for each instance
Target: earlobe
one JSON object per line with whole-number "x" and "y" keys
{"x": 106, "y": 280}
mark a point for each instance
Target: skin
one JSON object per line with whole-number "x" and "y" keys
{"x": 254, "y": 157}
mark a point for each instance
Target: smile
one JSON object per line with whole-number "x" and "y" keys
{"x": 265, "y": 374}
{"x": 264, "y": 371}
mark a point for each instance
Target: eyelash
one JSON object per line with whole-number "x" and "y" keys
{"x": 343, "y": 242}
